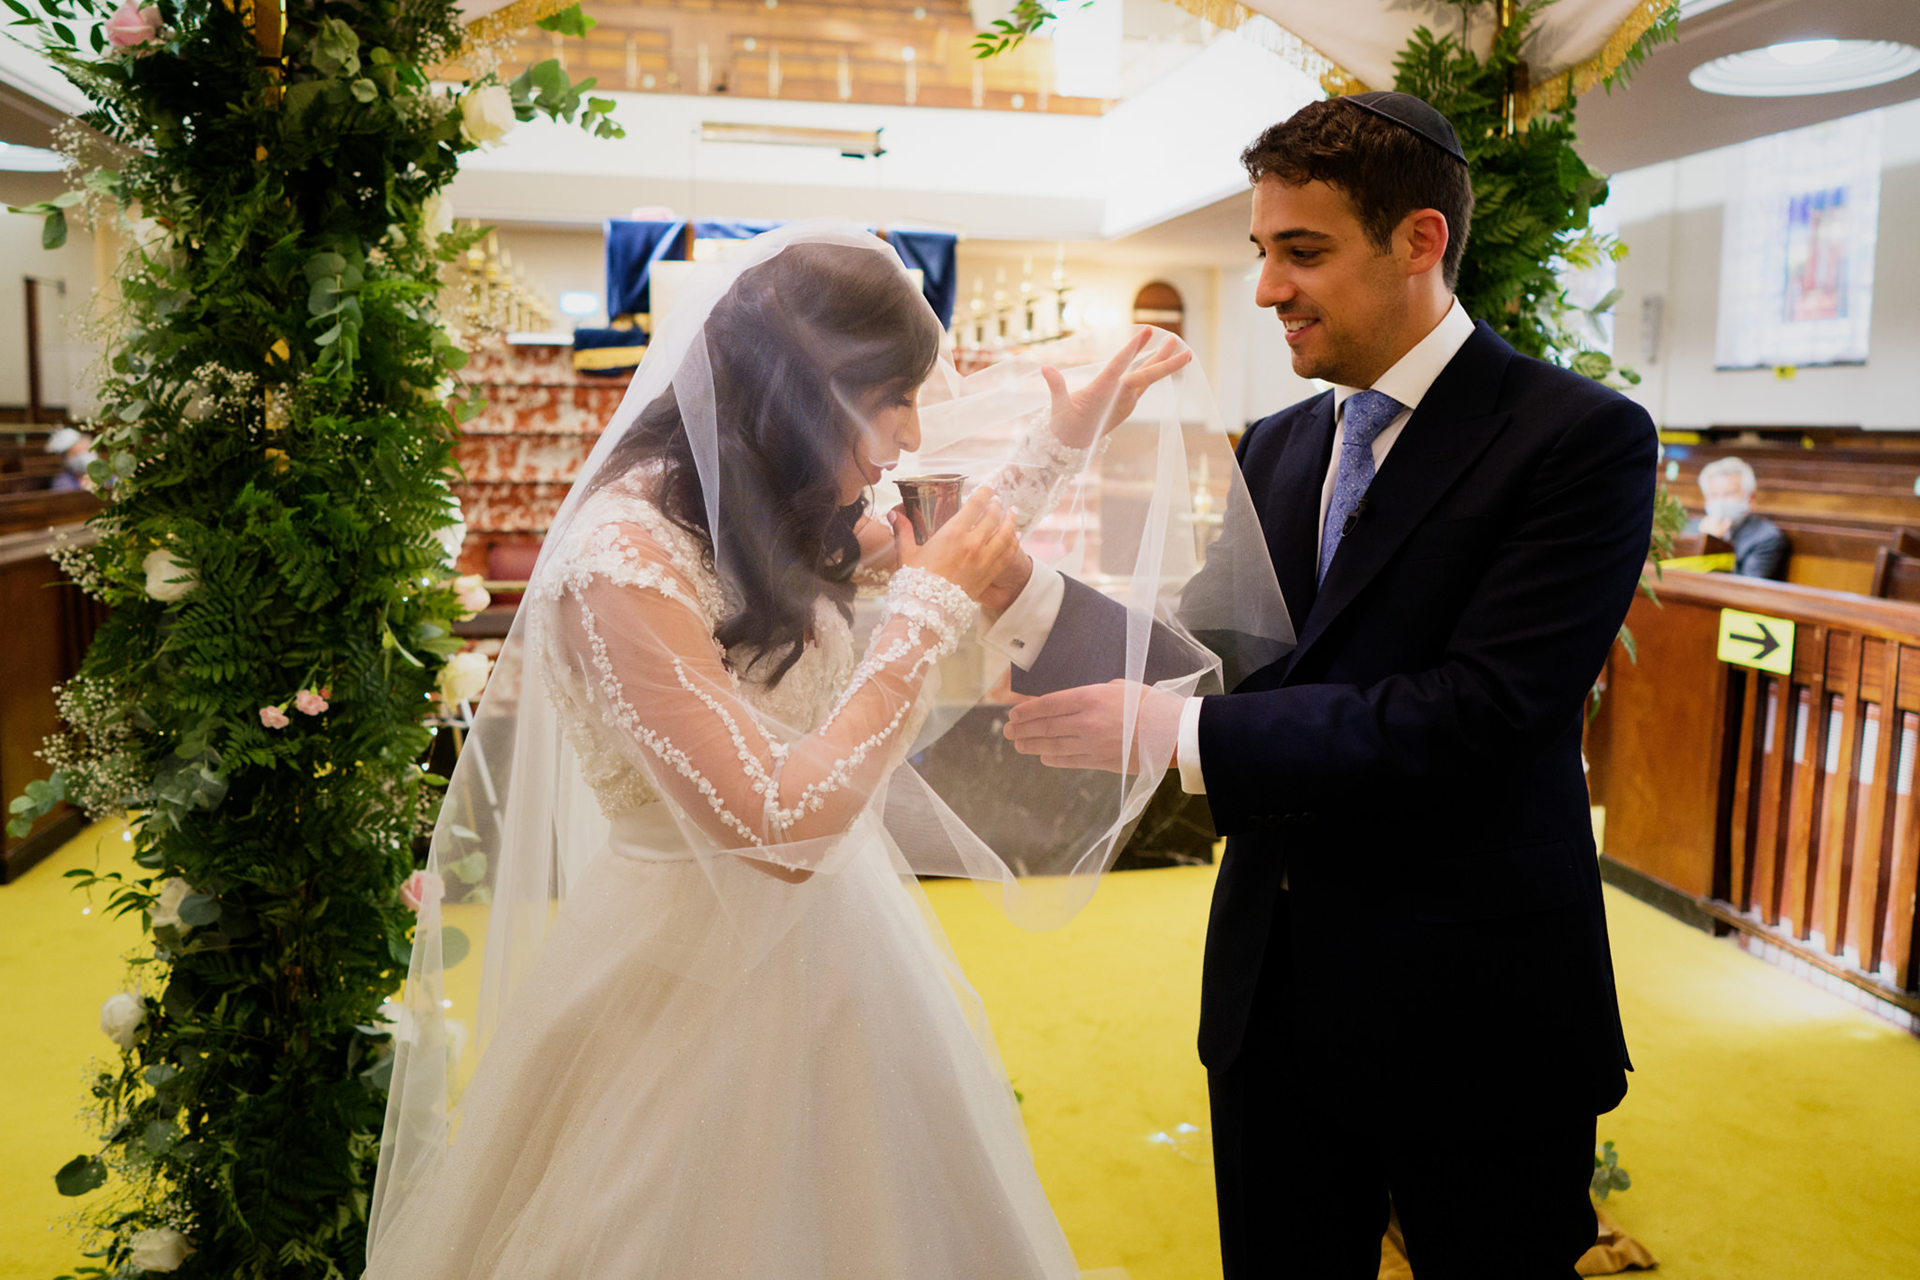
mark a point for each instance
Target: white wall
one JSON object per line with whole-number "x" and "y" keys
{"x": 1671, "y": 217}
{"x": 63, "y": 356}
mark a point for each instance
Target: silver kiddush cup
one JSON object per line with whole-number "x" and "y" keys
{"x": 930, "y": 501}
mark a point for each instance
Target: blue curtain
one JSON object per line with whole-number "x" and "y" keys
{"x": 932, "y": 253}
{"x": 632, "y": 249}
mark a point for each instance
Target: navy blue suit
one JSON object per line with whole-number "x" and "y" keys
{"x": 1427, "y": 1009}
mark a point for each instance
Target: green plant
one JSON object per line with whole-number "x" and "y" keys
{"x": 1533, "y": 200}
{"x": 1027, "y": 17}
{"x": 1608, "y": 1176}
{"x": 275, "y": 444}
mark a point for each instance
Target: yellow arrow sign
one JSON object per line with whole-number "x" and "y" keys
{"x": 1756, "y": 640}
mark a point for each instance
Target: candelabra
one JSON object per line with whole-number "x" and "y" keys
{"x": 490, "y": 294}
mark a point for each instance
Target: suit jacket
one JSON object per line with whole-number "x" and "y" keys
{"x": 1760, "y": 549}
{"x": 1413, "y": 767}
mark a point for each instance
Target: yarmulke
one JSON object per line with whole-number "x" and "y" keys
{"x": 1412, "y": 114}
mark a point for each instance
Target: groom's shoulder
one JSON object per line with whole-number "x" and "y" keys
{"x": 1271, "y": 432}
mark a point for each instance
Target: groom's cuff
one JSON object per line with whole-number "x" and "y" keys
{"x": 1021, "y": 632}
{"x": 1192, "y": 781}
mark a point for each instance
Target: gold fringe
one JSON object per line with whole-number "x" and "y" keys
{"x": 600, "y": 358}
{"x": 521, "y": 13}
{"x": 1271, "y": 36}
{"x": 1549, "y": 95}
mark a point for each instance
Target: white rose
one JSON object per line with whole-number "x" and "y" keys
{"x": 452, "y": 537}
{"x": 486, "y": 114}
{"x": 167, "y": 910}
{"x": 156, "y": 241}
{"x": 162, "y": 566}
{"x": 436, "y": 217}
{"x": 159, "y": 1249}
{"x": 120, "y": 1018}
{"x": 464, "y": 676}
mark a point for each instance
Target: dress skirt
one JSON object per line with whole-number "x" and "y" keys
{"x": 833, "y": 1109}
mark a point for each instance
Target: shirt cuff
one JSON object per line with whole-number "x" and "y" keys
{"x": 1021, "y": 632}
{"x": 1192, "y": 781}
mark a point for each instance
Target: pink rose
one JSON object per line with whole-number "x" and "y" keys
{"x": 309, "y": 703}
{"x": 274, "y": 718}
{"x": 421, "y": 888}
{"x": 132, "y": 25}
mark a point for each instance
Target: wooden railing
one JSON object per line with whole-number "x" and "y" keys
{"x": 1782, "y": 805}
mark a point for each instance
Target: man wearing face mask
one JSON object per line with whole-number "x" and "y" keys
{"x": 1759, "y": 548}
{"x": 76, "y": 450}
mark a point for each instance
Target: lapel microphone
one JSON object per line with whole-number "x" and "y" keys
{"x": 1353, "y": 516}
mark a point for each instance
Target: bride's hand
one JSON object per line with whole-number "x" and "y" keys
{"x": 969, "y": 550}
{"x": 877, "y": 552}
{"x": 1082, "y": 417}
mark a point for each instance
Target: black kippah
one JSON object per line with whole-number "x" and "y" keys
{"x": 1412, "y": 114}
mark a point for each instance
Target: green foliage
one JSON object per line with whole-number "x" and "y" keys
{"x": 275, "y": 448}
{"x": 1608, "y": 1176}
{"x": 1533, "y": 197}
{"x": 1006, "y": 33}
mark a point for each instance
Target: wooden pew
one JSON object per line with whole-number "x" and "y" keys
{"x": 49, "y": 625}
{"x": 1782, "y": 806}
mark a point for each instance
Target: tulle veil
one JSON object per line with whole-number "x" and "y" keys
{"x": 1158, "y": 521}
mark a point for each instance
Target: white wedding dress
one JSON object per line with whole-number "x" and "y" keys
{"x": 835, "y": 1108}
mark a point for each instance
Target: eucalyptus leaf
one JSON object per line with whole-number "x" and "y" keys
{"x": 453, "y": 946}
{"x": 80, "y": 1175}
{"x": 197, "y": 910}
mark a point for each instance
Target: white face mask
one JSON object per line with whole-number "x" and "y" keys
{"x": 1732, "y": 510}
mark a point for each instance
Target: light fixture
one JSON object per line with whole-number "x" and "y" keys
{"x": 30, "y": 159}
{"x": 578, "y": 302}
{"x": 855, "y": 144}
{"x": 1803, "y": 53}
{"x": 1805, "y": 67}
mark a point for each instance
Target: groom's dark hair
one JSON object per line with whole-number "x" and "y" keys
{"x": 1385, "y": 170}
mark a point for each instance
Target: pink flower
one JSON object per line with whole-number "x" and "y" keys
{"x": 132, "y": 25}
{"x": 274, "y": 718}
{"x": 309, "y": 703}
{"x": 421, "y": 888}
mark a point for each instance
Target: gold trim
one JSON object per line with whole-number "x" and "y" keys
{"x": 1551, "y": 94}
{"x": 589, "y": 359}
{"x": 509, "y": 19}
{"x": 1276, "y": 39}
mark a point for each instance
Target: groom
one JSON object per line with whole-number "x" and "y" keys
{"x": 1408, "y": 997}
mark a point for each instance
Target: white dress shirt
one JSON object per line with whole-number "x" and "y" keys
{"x": 1022, "y": 630}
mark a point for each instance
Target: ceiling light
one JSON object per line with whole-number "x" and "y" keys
{"x": 1801, "y": 53}
{"x": 30, "y": 159}
{"x": 578, "y": 302}
{"x": 1806, "y": 66}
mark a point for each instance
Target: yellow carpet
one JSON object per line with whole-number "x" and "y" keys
{"x": 1773, "y": 1131}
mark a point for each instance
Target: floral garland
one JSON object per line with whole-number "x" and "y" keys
{"x": 275, "y": 444}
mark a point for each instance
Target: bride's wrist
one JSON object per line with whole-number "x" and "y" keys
{"x": 923, "y": 596}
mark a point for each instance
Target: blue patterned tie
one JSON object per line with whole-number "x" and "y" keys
{"x": 1367, "y": 414}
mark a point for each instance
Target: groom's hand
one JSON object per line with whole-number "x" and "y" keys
{"x": 1007, "y": 584}
{"x": 1084, "y": 728}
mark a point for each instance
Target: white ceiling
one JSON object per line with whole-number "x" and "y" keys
{"x": 1660, "y": 116}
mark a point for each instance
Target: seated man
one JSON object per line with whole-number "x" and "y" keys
{"x": 1759, "y": 548}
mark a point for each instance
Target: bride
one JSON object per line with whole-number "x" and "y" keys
{"x": 718, "y": 1033}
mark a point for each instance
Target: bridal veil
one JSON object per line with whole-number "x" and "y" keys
{"x": 1156, "y": 518}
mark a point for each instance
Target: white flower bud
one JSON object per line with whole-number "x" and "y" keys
{"x": 159, "y": 1249}
{"x": 120, "y": 1018}
{"x": 161, "y": 568}
{"x": 167, "y": 909}
{"x": 464, "y": 676}
{"x": 486, "y": 114}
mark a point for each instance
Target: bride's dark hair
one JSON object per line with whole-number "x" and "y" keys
{"x": 796, "y": 345}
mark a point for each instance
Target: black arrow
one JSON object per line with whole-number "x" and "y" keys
{"x": 1765, "y": 640}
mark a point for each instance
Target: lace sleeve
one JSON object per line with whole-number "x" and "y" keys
{"x": 633, "y": 631}
{"x": 1039, "y": 470}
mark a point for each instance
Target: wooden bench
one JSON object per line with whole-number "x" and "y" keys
{"x": 1780, "y": 805}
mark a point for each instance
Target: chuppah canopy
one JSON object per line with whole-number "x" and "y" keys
{"x": 1351, "y": 44}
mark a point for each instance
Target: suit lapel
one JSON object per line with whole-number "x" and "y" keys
{"x": 1290, "y": 513}
{"x": 1456, "y": 421}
